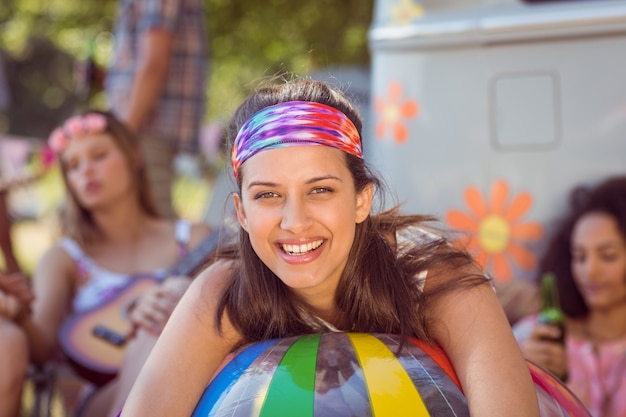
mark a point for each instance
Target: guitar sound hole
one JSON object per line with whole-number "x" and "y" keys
{"x": 109, "y": 335}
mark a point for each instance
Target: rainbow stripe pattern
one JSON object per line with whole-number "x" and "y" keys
{"x": 295, "y": 123}
{"x": 335, "y": 374}
{"x": 353, "y": 374}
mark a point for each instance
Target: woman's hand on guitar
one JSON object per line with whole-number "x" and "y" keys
{"x": 176, "y": 286}
{"x": 152, "y": 310}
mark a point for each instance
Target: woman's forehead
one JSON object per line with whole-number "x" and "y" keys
{"x": 596, "y": 227}
{"x": 295, "y": 162}
{"x": 86, "y": 142}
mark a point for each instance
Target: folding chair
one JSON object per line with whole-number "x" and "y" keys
{"x": 42, "y": 380}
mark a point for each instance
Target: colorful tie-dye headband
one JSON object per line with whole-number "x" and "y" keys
{"x": 76, "y": 126}
{"x": 295, "y": 123}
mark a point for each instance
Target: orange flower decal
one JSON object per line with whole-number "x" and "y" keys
{"x": 404, "y": 11}
{"x": 495, "y": 234}
{"x": 392, "y": 112}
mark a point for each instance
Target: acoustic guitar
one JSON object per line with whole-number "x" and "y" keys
{"x": 94, "y": 341}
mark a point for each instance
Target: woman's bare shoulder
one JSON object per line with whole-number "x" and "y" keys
{"x": 57, "y": 258}
{"x": 205, "y": 292}
{"x": 57, "y": 268}
{"x": 216, "y": 275}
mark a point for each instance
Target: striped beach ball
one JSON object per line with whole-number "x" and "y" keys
{"x": 352, "y": 374}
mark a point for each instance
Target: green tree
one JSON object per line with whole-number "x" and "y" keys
{"x": 250, "y": 40}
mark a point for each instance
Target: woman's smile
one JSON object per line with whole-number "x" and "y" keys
{"x": 303, "y": 252}
{"x": 301, "y": 249}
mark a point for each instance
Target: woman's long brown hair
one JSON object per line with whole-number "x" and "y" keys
{"x": 377, "y": 292}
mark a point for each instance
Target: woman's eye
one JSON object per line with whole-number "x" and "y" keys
{"x": 265, "y": 195}
{"x": 321, "y": 190}
{"x": 71, "y": 165}
{"x": 609, "y": 257}
{"x": 99, "y": 155}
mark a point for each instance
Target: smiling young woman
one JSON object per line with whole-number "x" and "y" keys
{"x": 313, "y": 257}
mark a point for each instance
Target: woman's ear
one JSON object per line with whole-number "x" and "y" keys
{"x": 364, "y": 202}
{"x": 241, "y": 214}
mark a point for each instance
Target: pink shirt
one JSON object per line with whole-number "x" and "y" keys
{"x": 594, "y": 376}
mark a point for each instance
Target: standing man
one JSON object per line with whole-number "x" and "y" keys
{"x": 157, "y": 82}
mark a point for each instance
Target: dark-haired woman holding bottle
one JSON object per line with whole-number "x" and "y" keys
{"x": 587, "y": 257}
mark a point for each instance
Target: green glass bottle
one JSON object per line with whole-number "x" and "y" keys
{"x": 551, "y": 312}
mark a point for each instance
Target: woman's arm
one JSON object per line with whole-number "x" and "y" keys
{"x": 17, "y": 285}
{"x": 187, "y": 353}
{"x": 15, "y": 296}
{"x": 53, "y": 287}
{"x": 11, "y": 308}
{"x": 472, "y": 328}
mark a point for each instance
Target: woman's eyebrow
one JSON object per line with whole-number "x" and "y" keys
{"x": 262, "y": 184}
{"x": 309, "y": 181}
{"x": 323, "y": 178}
{"x": 613, "y": 244}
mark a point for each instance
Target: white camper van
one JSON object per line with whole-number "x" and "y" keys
{"x": 487, "y": 112}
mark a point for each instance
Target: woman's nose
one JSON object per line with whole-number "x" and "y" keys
{"x": 591, "y": 267}
{"x": 295, "y": 216}
{"x": 86, "y": 167}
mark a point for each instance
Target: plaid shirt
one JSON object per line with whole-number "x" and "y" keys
{"x": 179, "y": 111}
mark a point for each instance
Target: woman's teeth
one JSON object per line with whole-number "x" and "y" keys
{"x": 302, "y": 249}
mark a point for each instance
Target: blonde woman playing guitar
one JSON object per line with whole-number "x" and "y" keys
{"x": 112, "y": 235}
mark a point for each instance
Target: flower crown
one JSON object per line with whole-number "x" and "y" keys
{"x": 75, "y": 127}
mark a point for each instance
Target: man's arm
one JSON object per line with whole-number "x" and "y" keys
{"x": 6, "y": 246}
{"x": 153, "y": 62}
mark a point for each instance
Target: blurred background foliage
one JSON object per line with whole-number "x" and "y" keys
{"x": 46, "y": 44}
{"x": 250, "y": 40}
